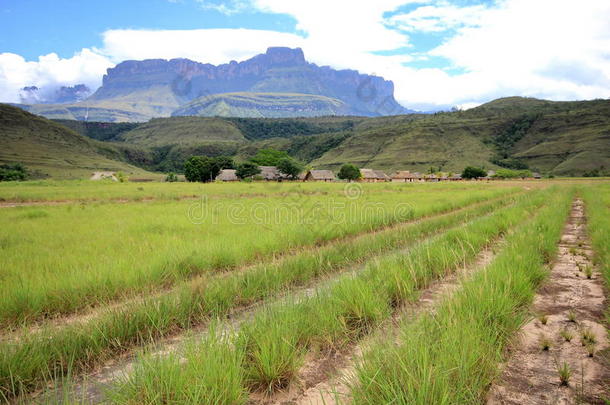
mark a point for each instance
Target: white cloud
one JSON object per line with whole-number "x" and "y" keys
{"x": 50, "y": 71}
{"x": 556, "y": 49}
{"x": 205, "y": 45}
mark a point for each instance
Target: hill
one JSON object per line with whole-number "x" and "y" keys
{"x": 562, "y": 138}
{"x": 262, "y": 105}
{"x": 135, "y": 91}
{"x": 50, "y": 149}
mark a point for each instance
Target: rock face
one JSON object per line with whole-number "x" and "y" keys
{"x": 167, "y": 85}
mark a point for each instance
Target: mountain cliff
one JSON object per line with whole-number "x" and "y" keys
{"x": 157, "y": 88}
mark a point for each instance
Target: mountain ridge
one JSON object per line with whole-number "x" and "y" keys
{"x": 140, "y": 90}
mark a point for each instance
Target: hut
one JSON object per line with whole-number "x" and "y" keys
{"x": 103, "y": 176}
{"x": 373, "y": 176}
{"x": 405, "y": 176}
{"x": 536, "y": 176}
{"x": 270, "y": 173}
{"x": 431, "y": 178}
{"x": 455, "y": 177}
{"x": 319, "y": 175}
{"x": 227, "y": 175}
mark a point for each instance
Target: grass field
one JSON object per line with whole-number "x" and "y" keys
{"x": 259, "y": 282}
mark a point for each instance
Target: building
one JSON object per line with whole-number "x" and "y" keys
{"x": 227, "y": 175}
{"x": 373, "y": 176}
{"x": 103, "y": 176}
{"x": 319, "y": 175}
{"x": 537, "y": 176}
{"x": 455, "y": 177}
{"x": 431, "y": 178}
{"x": 270, "y": 173}
{"x": 405, "y": 176}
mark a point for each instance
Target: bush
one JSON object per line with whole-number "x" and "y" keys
{"x": 247, "y": 170}
{"x": 171, "y": 178}
{"x": 204, "y": 169}
{"x": 472, "y": 172}
{"x": 349, "y": 172}
{"x": 290, "y": 167}
{"x": 16, "y": 172}
{"x": 121, "y": 177}
{"x": 269, "y": 157}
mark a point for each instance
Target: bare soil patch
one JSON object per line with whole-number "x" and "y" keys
{"x": 568, "y": 305}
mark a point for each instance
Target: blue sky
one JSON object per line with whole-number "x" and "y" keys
{"x": 438, "y": 52}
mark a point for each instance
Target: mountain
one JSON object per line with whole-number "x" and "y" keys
{"x": 140, "y": 90}
{"x": 49, "y": 149}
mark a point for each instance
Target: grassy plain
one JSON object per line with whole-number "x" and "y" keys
{"x": 119, "y": 267}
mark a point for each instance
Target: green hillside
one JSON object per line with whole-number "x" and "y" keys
{"x": 262, "y": 105}
{"x": 49, "y": 149}
{"x": 562, "y": 138}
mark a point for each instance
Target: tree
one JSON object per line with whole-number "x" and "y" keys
{"x": 269, "y": 157}
{"x": 290, "y": 167}
{"x": 200, "y": 168}
{"x": 224, "y": 162}
{"x": 247, "y": 170}
{"x": 16, "y": 172}
{"x": 472, "y": 172}
{"x": 349, "y": 172}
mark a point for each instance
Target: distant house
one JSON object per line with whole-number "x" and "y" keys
{"x": 373, "y": 176}
{"x": 227, "y": 175}
{"x": 405, "y": 176}
{"x": 536, "y": 176}
{"x": 455, "y": 177}
{"x": 431, "y": 178}
{"x": 103, "y": 176}
{"x": 319, "y": 175}
{"x": 270, "y": 173}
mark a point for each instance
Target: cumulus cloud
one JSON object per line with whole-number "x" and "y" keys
{"x": 556, "y": 49}
{"x": 49, "y": 72}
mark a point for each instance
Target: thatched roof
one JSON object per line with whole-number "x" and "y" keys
{"x": 405, "y": 174}
{"x": 320, "y": 175}
{"x": 103, "y": 176}
{"x": 370, "y": 174}
{"x": 270, "y": 173}
{"x": 227, "y": 175}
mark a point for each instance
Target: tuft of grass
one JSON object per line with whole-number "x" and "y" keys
{"x": 543, "y": 319}
{"x": 565, "y": 373}
{"x": 590, "y": 348}
{"x": 545, "y": 343}
{"x": 587, "y": 336}
{"x": 571, "y": 316}
{"x": 567, "y": 335}
{"x": 589, "y": 272}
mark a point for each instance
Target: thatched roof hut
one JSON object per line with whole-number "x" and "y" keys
{"x": 405, "y": 176}
{"x": 270, "y": 173}
{"x": 320, "y": 175}
{"x": 370, "y": 175}
{"x": 227, "y": 175}
{"x": 103, "y": 176}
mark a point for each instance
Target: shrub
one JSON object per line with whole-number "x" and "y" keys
{"x": 472, "y": 172}
{"x": 171, "y": 178}
{"x": 290, "y": 167}
{"x": 349, "y": 172}
{"x": 16, "y": 172}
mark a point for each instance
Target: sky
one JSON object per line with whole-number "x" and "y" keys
{"x": 438, "y": 53}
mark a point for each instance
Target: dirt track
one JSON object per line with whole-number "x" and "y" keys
{"x": 531, "y": 373}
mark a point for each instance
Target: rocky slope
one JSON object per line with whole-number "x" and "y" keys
{"x": 138, "y": 90}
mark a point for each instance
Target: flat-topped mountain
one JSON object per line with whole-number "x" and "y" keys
{"x": 140, "y": 90}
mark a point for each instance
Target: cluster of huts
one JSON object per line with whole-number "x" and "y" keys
{"x": 366, "y": 175}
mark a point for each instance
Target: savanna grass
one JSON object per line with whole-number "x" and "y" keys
{"x": 37, "y": 358}
{"x": 452, "y": 356}
{"x": 274, "y": 342}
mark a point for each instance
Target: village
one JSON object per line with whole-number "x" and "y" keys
{"x": 272, "y": 173}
